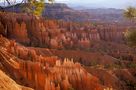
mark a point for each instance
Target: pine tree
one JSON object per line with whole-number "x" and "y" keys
{"x": 130, "y": 35}
{"x": 130, "y": 13}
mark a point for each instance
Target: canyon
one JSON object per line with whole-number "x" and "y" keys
{"x": 48, "y": 54}
{"x": 62, "y": 11}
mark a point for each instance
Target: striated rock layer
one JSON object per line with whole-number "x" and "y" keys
{"x": 94, "y": 46}
{"x": 44, "y": 73}
{"x": 6, "y": 83}
{"x": 28, "y": 30}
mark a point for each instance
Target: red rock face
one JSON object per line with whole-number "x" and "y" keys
{"x": 29, "y": 30}
{"x": 42, "y": 68}
{"x": 44, "y": 73}
{"x": 13, "y": 29}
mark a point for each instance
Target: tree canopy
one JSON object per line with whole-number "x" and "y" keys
{"x": 34, "y": 6}
{"x": 130, "y": 35}
{"x": 130, "y": 13}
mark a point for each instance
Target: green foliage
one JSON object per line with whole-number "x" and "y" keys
{"x": 131, "y": 37}
{"x": 130, "y": 13}
{"x": 35, "y": 6}
{"x": 93, "y": 63}
{"x": 71, "y": 88}
{"x": 38, "y": 7}
{"x": 112, "y": 66}
{"x": 132, "y": 65}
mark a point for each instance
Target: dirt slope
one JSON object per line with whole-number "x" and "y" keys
{"x": 6, "y": 83}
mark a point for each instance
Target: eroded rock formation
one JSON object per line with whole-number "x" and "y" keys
{"x": 44, "y": 73}
{"x": 28, "y": 30}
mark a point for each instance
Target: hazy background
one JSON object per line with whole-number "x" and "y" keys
{"x": 121, "y": 4}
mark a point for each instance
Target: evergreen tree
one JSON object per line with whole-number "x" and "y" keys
{"x": 130, "y": 13}
{"x": 130, "y": 35}
{"x": 131, "y": 38}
